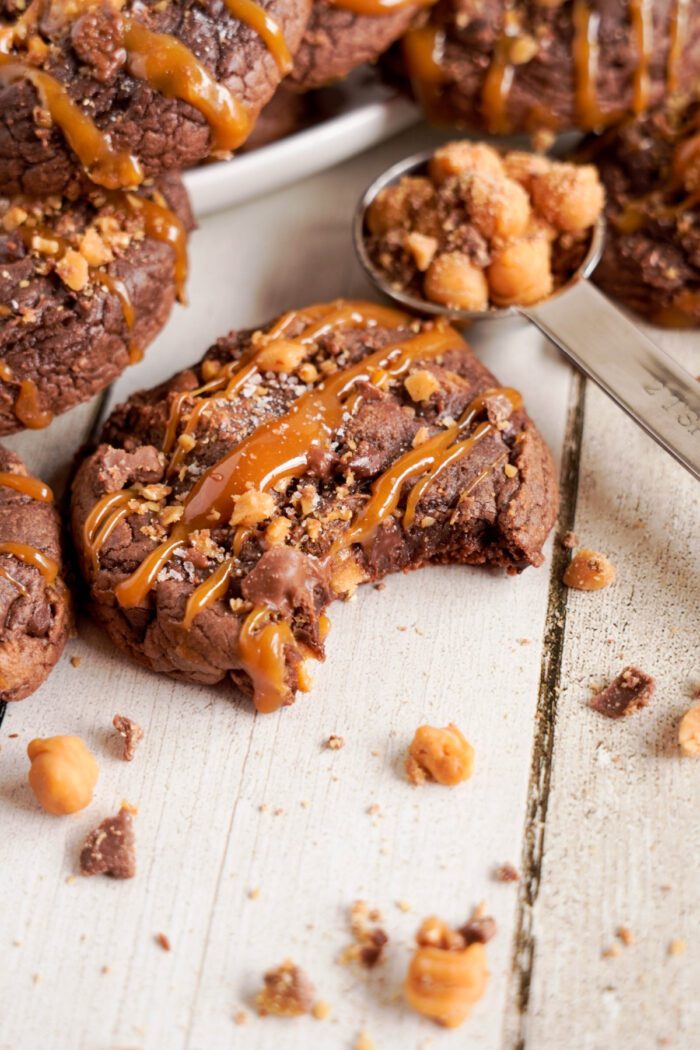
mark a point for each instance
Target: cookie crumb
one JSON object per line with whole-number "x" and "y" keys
{"x": 364, "y": 1042}
{"x": 240, "y": 1017}
{"x": 254, "y": 893}
{"x": 321, "y": 1010}
{"x": 76, "y": 661}
{"x": 631, "y": 690}
{"x": 506, "y": 873}
{"x": 370, "y": 939}
{"x": 286, "y": 992}
{"x": 569, "y": 540}
{"x": 403, "y": 905}
{"x": 110, "y": 848}
{"x": 164, "y": 941}
{"x": 612, "y": 952}
{"x": 678, "y": 946}
{"x": 334, "y": 743}
{"x": 131, "y": 732}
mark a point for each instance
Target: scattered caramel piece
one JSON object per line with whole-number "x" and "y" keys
{"x": 678, "y": 946}
{"x": 334, "y": 742}
{"x": 422, "y": 248}
{"x": 631, "y": 690}
{"x": 689, "y": 732}
{"x": 163, "y": 941}
{"x": 445, "y": 976}
{"x": 281, "y": 355}
{"x": 131, "y": 732}
{"x": 569, "y": 196}
{"x": 364, "y": 1042}
{"x": 589, "y": 571}
{"x": 45, "y": 245}
{"x": 421, "y": 385}
{"x": 186, "y": 442}
{"x": 443, "y": 755}
{"x": 523, "y": 49}
{"x": 625, "y": 935}
{"x": 240, "y": 1017}
{"x": 321, "y": 1010}
{"x": 73, "y": 270}
{"x": 252, "y": 507}
{"x": 63, "y": 773}
{"x": 287, "y": 992}
{"x": 110, "y": 848}
{"x": 75, "y": 661}
{"x": 13, "y": 218}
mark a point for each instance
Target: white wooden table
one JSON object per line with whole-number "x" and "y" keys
{"x": 601, "y": 817}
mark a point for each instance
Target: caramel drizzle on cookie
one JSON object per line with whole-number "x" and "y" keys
{"x": 679, "y": 32}
{"x": 35, "y": 489}
{"x": 278, "y": 449}
{"x": 379, "y": 8}
{"x": 500, "y": 75}
{"x": 163, "y": 62}
{"x": 423, "y": 52}
{"x": 31, "y": 556}
{"x": 642, "y": 16}
{"x": 26, "y": 405}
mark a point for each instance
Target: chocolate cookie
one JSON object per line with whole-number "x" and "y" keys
{"x": 505, "y": 67}
{"x": 35, "y": 609}
{"x": 134, "y": 89}
{"x": 224, "y": 510}
{"x": 85, "y": 285}
{"x": 651, "y": 170}
{"x": 341, "y": 35}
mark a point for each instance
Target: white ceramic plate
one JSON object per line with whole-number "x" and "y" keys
{"x": 360, "y": 112}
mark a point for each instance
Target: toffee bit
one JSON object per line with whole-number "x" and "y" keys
{"x": 286, "y": 992}
{"x": 163, "y": 941}
{"x": 335, "y": 743}
{"x": 506, "y": 873}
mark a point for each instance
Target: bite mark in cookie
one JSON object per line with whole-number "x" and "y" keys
{"x": 187, "y": 592}
{"x": 35, "y": 608}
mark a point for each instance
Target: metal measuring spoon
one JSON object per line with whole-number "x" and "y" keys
{"x": 642, "y": 378}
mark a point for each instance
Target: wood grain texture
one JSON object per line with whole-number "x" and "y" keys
{"x": 622, "y": 840}
{"x": 230, "y": 802}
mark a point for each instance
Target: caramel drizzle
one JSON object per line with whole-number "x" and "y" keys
{"x": 679, "y": 29}
{"x": 104, "y": 165}
{"x": 586, "y": 52}
{"x": 642, "y": 16}
{"x": 31, "y": 556}
{"x": 378, "y": 8}
{"x": 28, "y": 486}
{"x": 269, "y": 652}
{"x": 172, "y": 69}
{"x": 499, "y": 78}
{"x": 423, "y": 51}
{"x": 26, "y": 407}
{"x": 267, "y": 28}
{"x": 15, "y": 583}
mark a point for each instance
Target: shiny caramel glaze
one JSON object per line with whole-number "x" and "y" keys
{"x": 161, "y": 60}
{"x": 377, "y": 8}
{"x": 26, "y": 406}
{"x": 31, "y": 556}
{"x": 270, "y": 654}
{"x": 27, "y": 486}
{"x": 423, "y": 50}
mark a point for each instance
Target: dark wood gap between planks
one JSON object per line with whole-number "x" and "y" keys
{"x": 525, "y": 941}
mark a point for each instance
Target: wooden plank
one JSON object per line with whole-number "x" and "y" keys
{"x": 622, "y": 841}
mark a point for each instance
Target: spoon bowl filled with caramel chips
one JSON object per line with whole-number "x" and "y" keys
{"x": 473, "y": 234}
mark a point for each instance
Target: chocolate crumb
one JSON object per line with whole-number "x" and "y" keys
{"x": 478, "y": 930}
{"x": 631, "y": 690}
{"x": 506, "y": 873}
{"x": 131, "y": 732}
{"x": 110, "y": 848}
{"x": 625, "y": 934}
